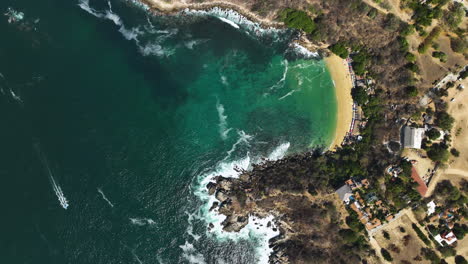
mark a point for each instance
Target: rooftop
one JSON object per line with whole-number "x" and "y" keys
{"x": 412, "y": 137}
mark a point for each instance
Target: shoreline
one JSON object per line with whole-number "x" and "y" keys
{"x": 337, "y": 67}
{"x": 177, "y": 6}
{"x": 341, "y": 77}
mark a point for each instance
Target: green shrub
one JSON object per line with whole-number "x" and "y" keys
{"x": 407, "y": 30}
{"x": 372, "y": 13}
{"x": 410, "y": 57}
{"x": 404, "y": 46}
{"x": 424, "y": 46}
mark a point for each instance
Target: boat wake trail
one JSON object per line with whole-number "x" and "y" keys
{"x": 57, "y": 189}
{"x": 104, "y": 197}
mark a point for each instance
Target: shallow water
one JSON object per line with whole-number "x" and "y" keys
{"x": 114, "y": 120}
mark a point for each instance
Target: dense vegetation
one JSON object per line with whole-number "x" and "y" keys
{"x": 298, "y": 19}
{"x": 340, "y": 50}
{"x": 421, "y": 235}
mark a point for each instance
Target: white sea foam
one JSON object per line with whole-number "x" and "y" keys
{"x": 229, "y": 22}
{"x": 190, "y": 226}
{"x": 258, "y": 230}
{"x": 139, "y": 4}
{"x": 279, "y": 152}
{"x": 142, "y": 221}
{"x": 189, "y": 252}
{"x": 243, "y": 138}
{"x": 286, "y": 95}
{"x": 156, "y": 49}
{"x": 104, "y": 197}
{"x": 234, "y": 19}
{"x": 304, "y": 52}
{"x": 223, "y": 129}
{"x": 194, "y": 42}
{"x": 84, "y": 4}
{"x": 224, "y": 80}
{"x": 281, "y": 81}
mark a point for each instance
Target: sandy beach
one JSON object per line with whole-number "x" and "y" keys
{"x": 338, "y": 69}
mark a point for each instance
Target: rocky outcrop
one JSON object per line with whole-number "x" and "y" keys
{"x": 308, "y": 224}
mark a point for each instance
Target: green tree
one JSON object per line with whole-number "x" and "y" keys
{"x": 438, "y": 152}
{"x": 359, "y": 95}
{"x": 348, "y": 235}
{"x": 433, "y": 134}
{"x": 460, "y": 260}
{"x": 411, "y": 91}
{"x": 440, "y": 55}
{"x": 386, "y": 255}
{"x": 444, "y": 120}
{"x": 412, "y": 67}
{"x": 407, "y": 30}
{"x": 447, "y": 251}
{"x": 458, "y": 45}
{"x": 464, "y": 74}
{"x": 386, "y": 235}
{"x": 298, "y": 19}
{"x": 340, "y": 50}
{"x": 429, "y": 254}
{"x": 455, "y": 152}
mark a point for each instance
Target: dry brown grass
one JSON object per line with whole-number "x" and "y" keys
{"x": 403, "y": 248}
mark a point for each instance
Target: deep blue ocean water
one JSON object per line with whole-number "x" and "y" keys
{"x": 113, "y": 120}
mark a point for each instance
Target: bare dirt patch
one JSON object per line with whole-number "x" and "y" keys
{"x": 401, "y": 245}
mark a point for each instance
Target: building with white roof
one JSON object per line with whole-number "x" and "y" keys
{"x": 412, "y": 137}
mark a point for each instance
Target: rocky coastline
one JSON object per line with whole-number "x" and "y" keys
{"x": 305, "y": 211}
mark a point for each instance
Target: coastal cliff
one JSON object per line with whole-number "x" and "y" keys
{"x": 307, "y": 212}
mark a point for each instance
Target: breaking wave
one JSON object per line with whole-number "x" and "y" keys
{"x": 142, "y": 221}
{"x": 223, "y": 129}
{"x": 303, "y": 52}
{"x": 258, "y": 230}
{"x": 189, "y": 252}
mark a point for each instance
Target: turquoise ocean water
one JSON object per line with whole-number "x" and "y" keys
{"x": 113, "y": 120}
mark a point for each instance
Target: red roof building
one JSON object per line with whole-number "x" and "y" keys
{"x": 422, "y": 188}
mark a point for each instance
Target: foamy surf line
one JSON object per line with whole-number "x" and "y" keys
{"x": 261, "y": 230}
{"x": 233, "y": 18}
